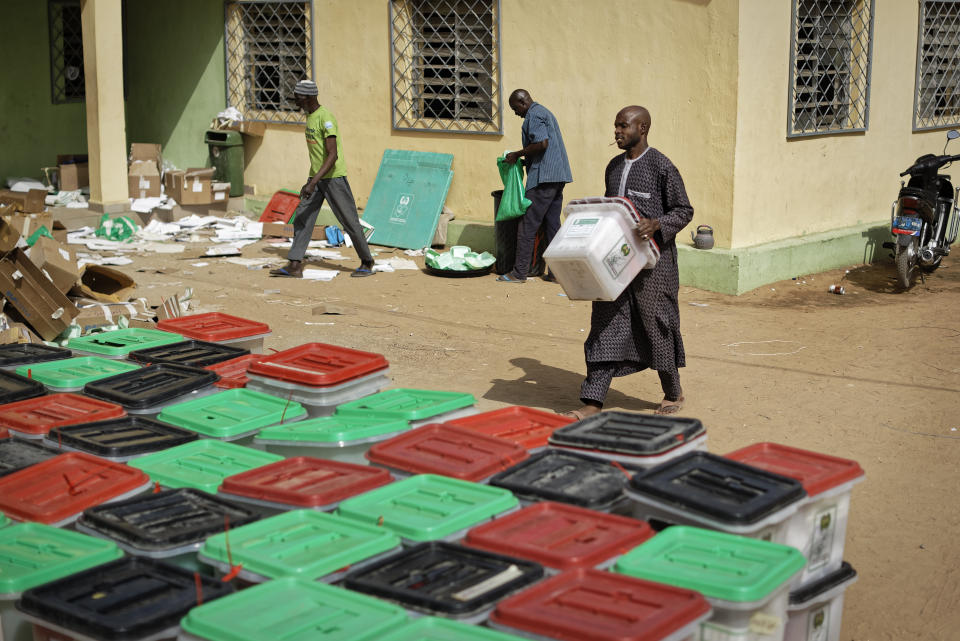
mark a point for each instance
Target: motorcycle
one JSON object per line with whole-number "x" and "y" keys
{"x": 924, "y": 218}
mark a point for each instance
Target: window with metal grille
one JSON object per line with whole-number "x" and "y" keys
{"x": 937, "y": 98}
{"x": 446, "y": 65}
{"x": 268, "y": 48}
{"x": 830, "y": 66}
{"x": 66, "y": 51}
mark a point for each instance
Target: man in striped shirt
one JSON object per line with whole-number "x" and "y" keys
{"x": 548, "y": 170}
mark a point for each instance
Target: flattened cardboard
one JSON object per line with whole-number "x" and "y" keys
{"x": 74, "y": 171}
{"x": 286, "y": 231}
{"x": 29, "y": 202}
{"x": 95, "y": 314}
{"x": 59, "y": 262}
{"x": 43, "y": 307}
{"x": 104, "y": 284}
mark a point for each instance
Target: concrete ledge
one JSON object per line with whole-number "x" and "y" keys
{"x": 735, "y": 271}
{"x": 727, "y": 271}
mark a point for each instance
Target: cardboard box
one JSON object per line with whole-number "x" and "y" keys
{"x": 43, "y": 307}
{"x": 74, "y": 171}
{"x": 104, "y": 284}
{"x": 18, "y": 333}
{"x": 9, "y": 236}
{"x": 286, "y": 231}
{"x": 30, "y": 202}
{"x": 58, "y": 262}
{"x": 59, "y": 232}
{"x": 221, "y": 195}
{"x": 190, "y": 187}
{"x": 26, "y": 224}
{"x": 143, "y": 172}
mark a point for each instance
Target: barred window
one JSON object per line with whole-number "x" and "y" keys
{"x": 937, "y": 99}
{"x": 66, "y": 51}
{"x": 268, "y": 49}
{"x": 446, "y": 65}
{"x": 830, "y": 66}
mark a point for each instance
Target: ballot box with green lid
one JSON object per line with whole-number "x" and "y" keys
{"x": 235, "y": 415}
{"x": 338, "y": 437}
{"x": 32, "y": 554}
{"x": 292, "y": 608}
{"x": 427, "y": 507}
{"x": 415, "y": 405}
{"x": 71, "y": 374}
{"x": 303, "y": 543}
{"x": 746, "y": 580}
{"x": 119, "y": 343}
{"x": 440, "y": 629}
{"x": 202, "y": 464}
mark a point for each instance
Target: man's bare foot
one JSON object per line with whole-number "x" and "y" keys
{"x": 582, "y": 413}
{"x": 670, "y": 407}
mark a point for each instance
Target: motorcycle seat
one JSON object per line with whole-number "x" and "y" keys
{"x": 924, "y": 197}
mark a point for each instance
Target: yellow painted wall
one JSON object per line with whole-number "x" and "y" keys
{"x": 103, "y": 71}
{"x": 790, "y": 188}
{"x": 582, "y": 60}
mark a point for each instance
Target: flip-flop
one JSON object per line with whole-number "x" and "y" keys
{"x": 360, "y": 272}
{"x": 507, "y": 278}
{"x": 669, "y": 407}
{"x": 576, "y": 415}
{"x": 282, "y": 272}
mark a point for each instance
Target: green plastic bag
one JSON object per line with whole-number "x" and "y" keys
{"x": 120, "y": 228}
{"x": 514, "y": 201}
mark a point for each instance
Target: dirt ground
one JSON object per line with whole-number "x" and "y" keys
{"x": 873, "y": 375}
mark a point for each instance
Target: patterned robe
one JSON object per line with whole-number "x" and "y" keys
{"x": 630, "y": 336}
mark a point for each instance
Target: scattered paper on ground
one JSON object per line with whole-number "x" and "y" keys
{"x": 320, "y": 274}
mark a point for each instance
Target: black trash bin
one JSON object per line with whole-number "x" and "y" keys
{"x": 505, "y": 243}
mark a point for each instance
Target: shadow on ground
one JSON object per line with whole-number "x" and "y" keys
{"x": 546, "y": 386}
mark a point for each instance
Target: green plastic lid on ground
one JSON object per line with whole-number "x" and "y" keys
{"x": 75, "y": 372}
{"x": 437, "y": 629}
{"x": 460, "y": 258}
{"x": 33, "y": 553}
{"x": 427, "y": 507}
{"x": 120, "y": 342}
{"x": 302, "y": 543}
{"x": 202, "y": 464}
{"x": 718, "y": 565}
{"x": 406, "y": 404}
{"x": 293, "y": 610}
{"x": 231, "y": 413}
{"x": 4, "y": 521}
{"x": 333, "y": 429}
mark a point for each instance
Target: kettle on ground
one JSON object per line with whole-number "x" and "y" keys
{"x": 703, "y": 238}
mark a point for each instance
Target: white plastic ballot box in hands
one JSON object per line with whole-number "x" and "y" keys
{"x": 597, "y": 252}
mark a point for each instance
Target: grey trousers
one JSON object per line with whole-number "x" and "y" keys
{"x": 546, "y": 203}
{"x": 337, "y": 192}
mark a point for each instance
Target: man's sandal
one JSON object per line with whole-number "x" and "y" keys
{"x": 670, "y": 407}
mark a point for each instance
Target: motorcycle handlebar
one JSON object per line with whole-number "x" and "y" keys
{"x": 934, "y": 163}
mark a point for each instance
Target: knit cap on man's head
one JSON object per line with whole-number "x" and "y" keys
{"x": 306, "y": 88}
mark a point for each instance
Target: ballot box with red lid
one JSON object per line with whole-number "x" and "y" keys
{"x": 320, "y": 376}
{"x": 58, "y": 490}
{"x": 217, "y": 327}
{"x": 233, "y": 373}
{"x": 602, "y": 606}
{"x": 302, "y": 482}
{"x": 819, "y": 526}
{"x": 34, "y": 418}
{"x": 447, "y": 450}
{"x": 526, "y": 426}
{"x": 560, "y": 536}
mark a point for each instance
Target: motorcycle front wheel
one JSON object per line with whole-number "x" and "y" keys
{"x": 906, "y": 265}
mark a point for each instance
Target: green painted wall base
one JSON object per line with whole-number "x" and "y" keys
{"x": 735, "y": 271}
{"x": 727, "y": 271}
